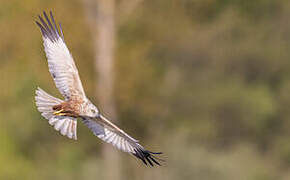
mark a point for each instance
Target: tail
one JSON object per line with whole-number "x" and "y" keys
{"x": 66, "y": 125}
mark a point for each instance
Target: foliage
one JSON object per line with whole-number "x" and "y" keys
{"x": 205, "y": 81}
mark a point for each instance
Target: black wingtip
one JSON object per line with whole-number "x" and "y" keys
{"x": 49, "y": 28}
{"x": 43, "y": 31}
{"x": 148, "y": 157}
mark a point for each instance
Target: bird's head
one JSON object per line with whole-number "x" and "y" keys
{"x": 92, "y": 110}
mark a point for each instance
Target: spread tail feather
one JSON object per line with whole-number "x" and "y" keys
{"x": 66, "y": 125}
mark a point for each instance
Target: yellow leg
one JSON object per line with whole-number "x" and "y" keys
{"x": 58, "y": 112}
{"x": 61, "y": 114}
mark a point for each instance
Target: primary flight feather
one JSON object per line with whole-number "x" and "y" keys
{"x": 63, "y": 114}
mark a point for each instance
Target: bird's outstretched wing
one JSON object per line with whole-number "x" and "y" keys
{"x": 60, "y": 62}
{"x": 110, "y": 133}
{"x": 66, "y": 125}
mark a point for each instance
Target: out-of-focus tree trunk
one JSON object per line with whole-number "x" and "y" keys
{"x": 103, "y": 28}
{"x": 101, "y": 19}
{"x": 105, "y": 44}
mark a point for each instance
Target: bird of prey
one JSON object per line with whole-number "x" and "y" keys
{"x": 63, "y": 114}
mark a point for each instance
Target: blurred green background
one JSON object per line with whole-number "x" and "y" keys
{"x": 205, "y": 81}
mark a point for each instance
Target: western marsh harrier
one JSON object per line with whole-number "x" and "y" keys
{"x": 63, "y": 114}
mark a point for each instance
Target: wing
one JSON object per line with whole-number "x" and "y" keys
{"x": 67, "y": 126}
{"x": 110, "y": 133}
{"x": 60, "y": 62}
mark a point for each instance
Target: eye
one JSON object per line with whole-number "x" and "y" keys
{"x": 93, "y": 111}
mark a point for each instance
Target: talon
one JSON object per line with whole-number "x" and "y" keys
{"x": 58, "y": 113}
{"x": 61, "y": 114}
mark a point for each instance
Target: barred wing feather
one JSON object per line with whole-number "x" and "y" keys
{"x": 110, "y": 133}
{"x": 60, "y": 62}
{"x": 67, "y": 126}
